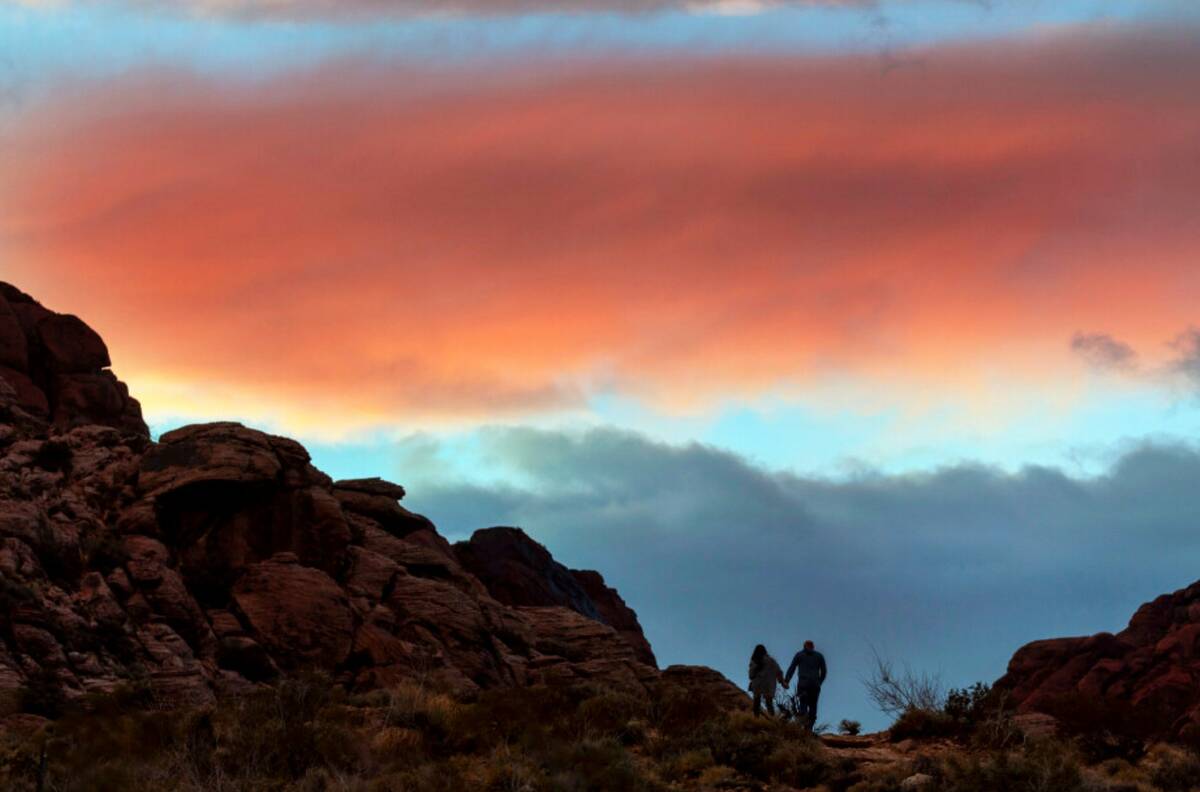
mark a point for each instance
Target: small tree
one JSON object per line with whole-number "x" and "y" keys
{"x": 896, "y": 692}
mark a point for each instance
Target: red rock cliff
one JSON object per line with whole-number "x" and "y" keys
{"x": 219, "y": 557}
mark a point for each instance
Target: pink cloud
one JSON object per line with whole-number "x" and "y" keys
{"x": 390, "y": 244}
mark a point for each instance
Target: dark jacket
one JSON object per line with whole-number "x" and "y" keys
{"x": 809, "y": 667}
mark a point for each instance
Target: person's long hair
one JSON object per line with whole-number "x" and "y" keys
{"x": 760, "y": 652}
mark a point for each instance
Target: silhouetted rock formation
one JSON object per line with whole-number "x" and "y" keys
{"x": 219, "y": 558}
{"x": 1149, "y": 672}
{"x": 520, "y": 572}
{"x": 57, "y": 367}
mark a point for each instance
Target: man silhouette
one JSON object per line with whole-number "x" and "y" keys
{"x": 809, "y": 667}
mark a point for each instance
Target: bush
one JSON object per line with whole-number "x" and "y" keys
{"x": 849, "y": 727}
{"x": 916, "y": 724}
{"x": 1046, "y": 767}
{"x": 413, "y": 707}
{"x": 526, "y": 716}
{"x": 742, "y": 742}
{"x": 896, "y": 692}
{"x": 674, "y": 710}
{"x": 969, "y": 705}
{"x": 285, "y": 730}
{"x": 594, "y": 764}
{"x": 1174, "y": 769}
{"x": 611, "y": 715}
{"x": 797, "y": 764}
{"x": 688, "y": 764}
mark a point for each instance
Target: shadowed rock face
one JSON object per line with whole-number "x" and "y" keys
{"x": 57, "y": 367}
{"x": 1150, "y": 670}
{"x": 219, "y": 557}
{"x": 519, "y": 571}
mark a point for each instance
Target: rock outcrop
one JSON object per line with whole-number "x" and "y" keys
{"x": 1148, "y": 673}
{"x": 57, "y": 367}
{"x": 219, "y": 558}
{"x": 518, "y": 571}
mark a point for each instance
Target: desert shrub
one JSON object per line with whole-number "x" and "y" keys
{"x": 688, "y": 764}
{"x": 1046, "y": 767}
{"x": 742, "y": 742}
{"x": 895, "y": 692}
{"x": 969, "y": 705}
{"x": 611, "y": 714}
{"x": 635, "y": 732}
{"x": 797, "y": 763}
{"x": 849, "y": 727}
{"x": 1174, "y": 769}
{"x": 673, "y": 710}
{"x": 594, "y": 764}
{"x": 416, "y": 708}
{"x": 21, "y": 760}
{"x": 916, "y": 724}
{"x": 107, "y": 742}
{"x": 285, "y": 730}
{"x": 525, "y": 716}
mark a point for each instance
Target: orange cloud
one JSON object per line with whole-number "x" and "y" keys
{"x": 368, "y": 241}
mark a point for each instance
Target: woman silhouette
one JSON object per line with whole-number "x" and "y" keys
{"x": 765, "y": 673}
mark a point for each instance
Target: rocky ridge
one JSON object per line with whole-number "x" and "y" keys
{"x": 1148, "y": 674}
{"x": 219, "y": 558}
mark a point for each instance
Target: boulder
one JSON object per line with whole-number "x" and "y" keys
{"x": 518, "y": 571}
{"x": 27, "y": 394}
{"x": 298, "y": 613}
{"x": 224, "y": 452}
{"x": 70, "y": 346}
{"x": 700, "y": 683}
{"x": 372, "y": 486}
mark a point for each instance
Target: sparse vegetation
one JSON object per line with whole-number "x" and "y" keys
{"x": 306, "y": 733}
{"x": 894, "y": 692}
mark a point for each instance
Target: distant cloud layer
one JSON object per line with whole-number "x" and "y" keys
{"x": 950, "y": 570}
{"x": 365, "y": 242}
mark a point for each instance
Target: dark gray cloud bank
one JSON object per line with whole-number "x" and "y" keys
{"x": 950, "y": 570}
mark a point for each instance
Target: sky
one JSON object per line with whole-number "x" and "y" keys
{"x": 865, "y": 321}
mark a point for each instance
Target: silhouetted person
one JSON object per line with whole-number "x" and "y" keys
{"x": 764, "y": 674}
{"x": 809, "y": 667}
